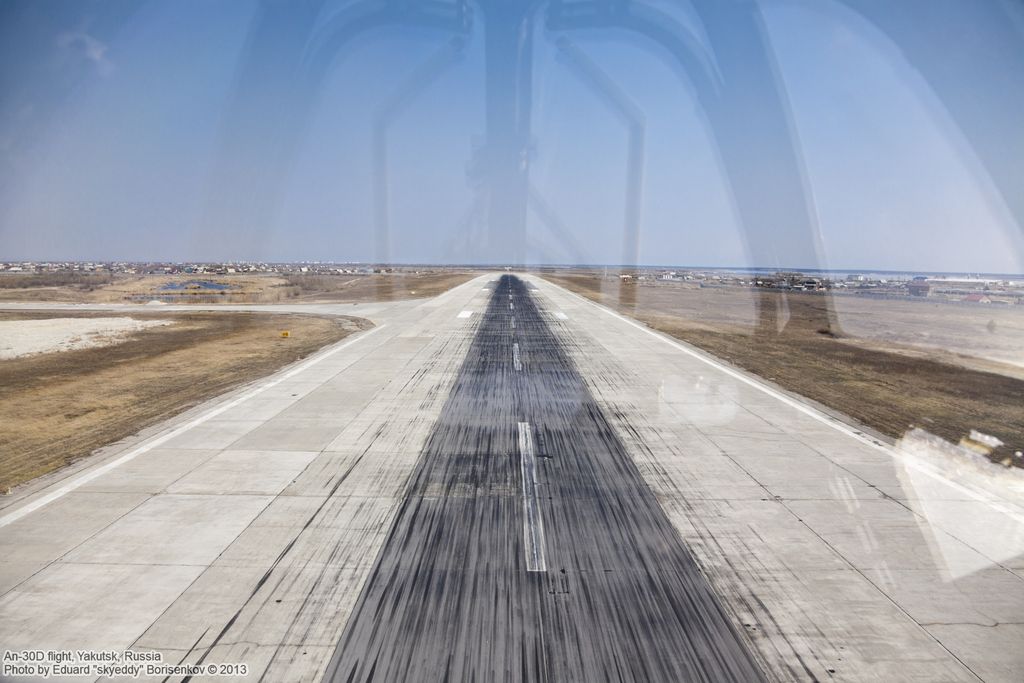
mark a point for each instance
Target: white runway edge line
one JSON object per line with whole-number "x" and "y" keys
{"x": 464, "y": 314}
{"x": 153, "y": 443}
{"x": 533, "y": 525}
{"x": 515, "y": 358}
{"x": 838, "y": 425}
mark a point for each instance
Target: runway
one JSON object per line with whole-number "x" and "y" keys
{"x": 508, "y": 482}
{"x": 594, "y": 585}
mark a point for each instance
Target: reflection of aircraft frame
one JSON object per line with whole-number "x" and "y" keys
{"x": 772, "y": 202}
{"x": 418, "y": 81}
{"x": 636, "y": 125}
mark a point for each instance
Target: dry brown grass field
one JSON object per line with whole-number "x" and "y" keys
{"x": 59, "y": 407}
{"x": 232, "y": 288}
{"x": 959, "y": 377}
{"x": 378, "y": 287}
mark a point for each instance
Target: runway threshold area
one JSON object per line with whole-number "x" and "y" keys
{"x": 528, "y": 546}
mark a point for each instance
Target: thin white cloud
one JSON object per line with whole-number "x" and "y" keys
{"x": 89, "y": 48}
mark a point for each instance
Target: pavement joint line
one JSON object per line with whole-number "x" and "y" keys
{"x": 515, "y": 357}
{"x": 85, "y": 478}
{"x": 808, "y": 411}
{"x": 533, "y": 523}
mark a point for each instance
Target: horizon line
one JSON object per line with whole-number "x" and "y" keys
{"x": 412, "y": 264}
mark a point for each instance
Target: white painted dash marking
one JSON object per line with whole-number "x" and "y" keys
{"x": 515, "y": 358}
{"x": 561, "y": 316}
{"x": 465, "y": 314}
{"x": 533, "y": 525}
{"x": 511, "y": 306}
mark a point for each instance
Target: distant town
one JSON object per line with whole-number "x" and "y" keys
{"x": 228, "y": 268}
{"x": 973, "y": 289}
{"x": 970, "y": 289}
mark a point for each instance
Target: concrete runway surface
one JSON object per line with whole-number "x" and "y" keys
{"x": 595, "y": 584}
{"x": 508, "y": 482}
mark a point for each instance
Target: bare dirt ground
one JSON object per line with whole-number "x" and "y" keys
{"x": 945, "y": 385}
{"x": 59, "y": 407}
{"x": 228, "y": 289}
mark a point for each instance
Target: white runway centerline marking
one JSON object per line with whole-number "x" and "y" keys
{"x": 465, "y": 314}
{"x": 515, "y": 358}
{"x": 181, "y": 429}
{"x": 533, "y": 525}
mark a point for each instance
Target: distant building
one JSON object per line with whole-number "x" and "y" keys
{"x": 919, "y": 287}
{"x": 977, "y": 299}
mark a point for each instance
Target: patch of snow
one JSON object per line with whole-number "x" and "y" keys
{"x": 54, "y": 335}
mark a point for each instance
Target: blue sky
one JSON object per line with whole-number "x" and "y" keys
{"x": 119, "y": 129}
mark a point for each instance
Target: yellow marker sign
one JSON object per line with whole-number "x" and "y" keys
{"x": 286, "y": 333}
